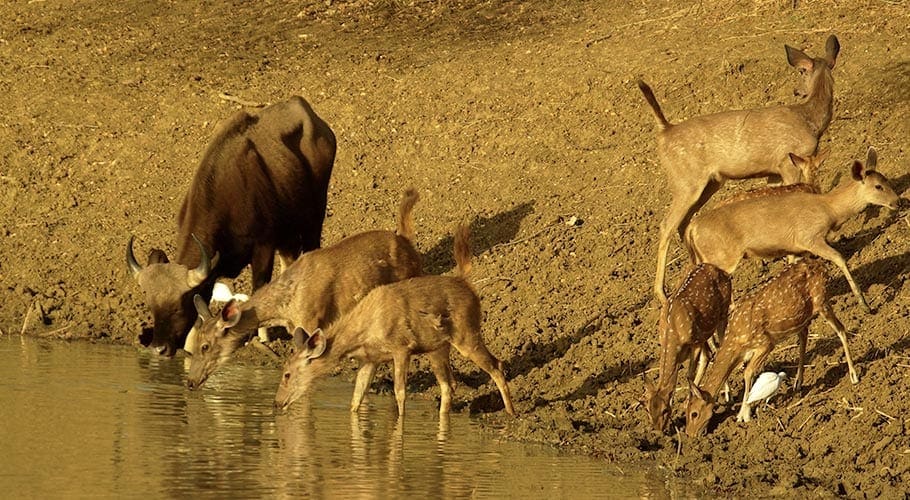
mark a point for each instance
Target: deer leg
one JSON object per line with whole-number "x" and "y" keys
{"x": 802, "y": 339}
{"x": 838, "y": 327}
{"x": 401, "y": 360}
{"x": 719, "y": 333}
{"x": 442, "y": 368}
{"x": 755, "y": 364}
{"x": 479, "y": 354}
{"x": 676, "y": 220}
{"x": 362, "y": 384}
{"x": 824, "y": 251}
{"x": 261, "y": 265}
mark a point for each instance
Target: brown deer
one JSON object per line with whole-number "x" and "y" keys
{"x": 314, "y": 291}
{"x": 701, "y": 153}
{"x": 788, "y": 223}
{"x": 693, "y": 313}
{"x": 783, "y": 306}
{"x": 423, "y": 315}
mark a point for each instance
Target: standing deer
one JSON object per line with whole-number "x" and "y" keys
{"x": 692, "y": 314}
{"x": 313, "y": 292}
{"x": 423, "y": 315}
{"x": 701, "y": 153}
{"x": 783, "y": 306}
{"x": 788, "y": 223}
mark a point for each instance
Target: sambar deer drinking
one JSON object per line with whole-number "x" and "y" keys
{"x": 701, "y": 153}
{"x": 788, "y": 223}
{"x": 423, "y": 315}
{"x": 314, "y": 291}
{"x": 690, "y": 317}
{"x": 783, "y": 306}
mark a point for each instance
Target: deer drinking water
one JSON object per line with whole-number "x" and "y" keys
{"x": 314, "y": 291}
{"x": 788, "y": 223}
{"x": 699, "y": 154}
{"x": 783, "y": 306}
{"x": 693, "y": 313}
{"x": 423, "y": 315}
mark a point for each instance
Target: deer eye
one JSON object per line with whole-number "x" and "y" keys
{"x": 287, "y": 376}
{"x": 204, "y": 348}
{"x": 694, "y": 414}
{"x": 879, "y": 188}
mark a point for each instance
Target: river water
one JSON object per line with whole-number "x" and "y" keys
{"x": 79, "y": 419}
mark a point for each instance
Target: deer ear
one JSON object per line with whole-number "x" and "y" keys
{"x": 832, "y": 48}
{"x": 797, "y": 160}
{"x": 202, "y": 309}
{"x": 300, "y": 338}
{"x": 857, "y": 171}
{"x": 871, "y": 159}
{"x": 697, "y": 392}
{"x": 316, "y": 344}
{"x": 798, "y": 59}
{"x": 230, "y": 314}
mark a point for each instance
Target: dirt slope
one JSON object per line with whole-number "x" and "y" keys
{"x": 515, "y": 116}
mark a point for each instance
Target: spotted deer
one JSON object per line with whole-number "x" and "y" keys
{"x": 809, "y": 166}
{"x": 423, "y": 315}
{"x": 690, "y": 317}
{"x": 312, "y": 292}
{"x": 782, "y": 307}
{"x": 788, "y": 223}
{"x": 701, "y": 153}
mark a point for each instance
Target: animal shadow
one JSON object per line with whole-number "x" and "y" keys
{"x": 486, "y": 232}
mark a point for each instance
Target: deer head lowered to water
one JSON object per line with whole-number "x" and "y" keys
{"x": 314, "y": 291}
{"x": 423, "y": 315}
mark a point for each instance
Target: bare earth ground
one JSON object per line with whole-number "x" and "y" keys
{"x": 515, "y": 116}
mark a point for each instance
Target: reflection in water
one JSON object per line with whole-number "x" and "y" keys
{"x": 87, "y": 420}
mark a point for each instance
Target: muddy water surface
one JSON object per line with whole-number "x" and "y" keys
{"x": 137, "y": 430}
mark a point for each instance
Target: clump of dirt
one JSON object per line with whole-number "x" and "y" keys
{"x": 521, "y": 118}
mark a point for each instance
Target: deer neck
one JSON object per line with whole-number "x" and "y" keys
{"x": 819, "y": 105}
{"x": 844, "y": 201}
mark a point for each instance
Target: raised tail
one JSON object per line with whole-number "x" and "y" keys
{"x": 649, "y": 96}
{"x": 463, "y": 250}
{"x": 406, "y": 216}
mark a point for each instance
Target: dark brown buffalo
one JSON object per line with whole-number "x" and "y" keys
{"x": 261, "y": 187}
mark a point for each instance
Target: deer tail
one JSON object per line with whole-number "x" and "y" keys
{"x": 406, "y": 216}
{"x": 463, "y": 250}
{"x": 649, "y": 96}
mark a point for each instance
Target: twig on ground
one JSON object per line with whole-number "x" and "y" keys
{"x": 28, "y": 316}
{"x": 227, "y": 97}
{"x": 889, "y": 417}
{"x": 52, "y": 332}
{"x": 493, "y": 278}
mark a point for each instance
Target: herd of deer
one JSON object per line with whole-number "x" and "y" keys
{"x": 792, "y": 219}
{"x": 262, "y": 187}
